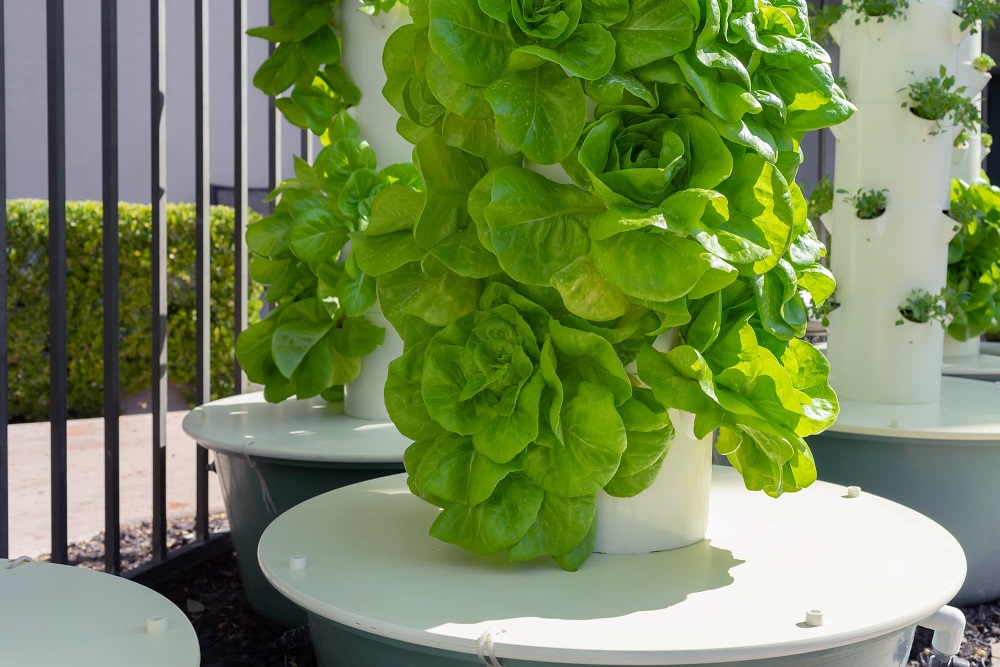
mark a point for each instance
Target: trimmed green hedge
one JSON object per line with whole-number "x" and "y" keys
{"x": 28, "y": 302}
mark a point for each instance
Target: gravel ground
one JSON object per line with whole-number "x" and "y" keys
{"x": 231, "y": 633}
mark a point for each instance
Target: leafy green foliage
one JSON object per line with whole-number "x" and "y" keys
{"x": 821, "y": 312}
{"x": 974, "y": 261}
{"x": 27, "y": 284}
{"x": 313, "y": 341}
{"x": 821, "y": 199}
{"x": 521, "y": 300}
{"x": 822, "y": 19}
{"x": 868, "y": 204}
{"x": 983, "y": 63}
{"x": 921, "y": 307}
{"x": 936, "y": 98}
{"x": 978, "y": 14}
{"x": 375, "y": 7}
{"x": 880, "y": 10}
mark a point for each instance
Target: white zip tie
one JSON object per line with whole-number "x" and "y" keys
{"x": 486, "y": 651}
{"x": 264, "y": 492}
{"x": 17, "y": 561}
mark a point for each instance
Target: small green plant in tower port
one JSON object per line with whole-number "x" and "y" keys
{"x": 986, "y": 140}
{"x": 922, "y": 306}
{"x": 983, "y": 12}
{"x": 841, "y": 83}
{"x": 820, "y": 312}
{"x": 822, "y": 19}
{"x": 821, "y": 199}
{"x": 983, "y": 63}
{"x": 868, "y": 204}
{"x": 880, "y": 10}
{"x": 936, "y": 98}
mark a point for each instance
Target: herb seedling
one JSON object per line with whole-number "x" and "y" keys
{"x": 983, "y": 63}
{"x": 842, "y": 84}
{"x": 922, "y": 306}
{"x": 936, "y": 98}
{"x": 962, "y": 208}
{"x": 868, "y": 204}
{"x": 821, "y": 199}
{"x": 983, "y": 12}
{"x": 880, "y": 10}
{"x": 374, "y": 7}
{"x": 821, "y": 312}
{"x": 822, "y": 19}
{"x": 986, "y": 140}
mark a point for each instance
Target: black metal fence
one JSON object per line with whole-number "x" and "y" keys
{"x": 57, "y": 347}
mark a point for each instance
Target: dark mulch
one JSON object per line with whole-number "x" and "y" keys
{"x": 231, "y": 633}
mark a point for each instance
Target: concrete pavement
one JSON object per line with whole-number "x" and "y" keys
{"x": 30, "y": 461}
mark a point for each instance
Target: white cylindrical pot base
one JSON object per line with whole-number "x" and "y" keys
{"x": 954, "y": 348}
{"x": 364, "y": 397}
{"x": 670, "y": 514}
{"x": 364, "y": 41}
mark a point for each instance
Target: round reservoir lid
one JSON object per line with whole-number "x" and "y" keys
{"x": 967, "y": 414}
{"x": 867, "y": 565}
{"x": 61, "y": 615}
{"x": 308, "y": 430}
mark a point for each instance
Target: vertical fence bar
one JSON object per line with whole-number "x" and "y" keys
{"x": 158, "y": 135}
{"x": 109, "y": 168}
{"x": 58, "y": 373}
{"x": 4, "y": 461}
{"x": 203, "y": 245}
{"x": 240, "y": 178}
{"x": 306, "y": 146}
{"x": 274, "y": 140}
{"x": 273, "y": 155}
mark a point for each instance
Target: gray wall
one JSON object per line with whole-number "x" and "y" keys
{"x": 24, "y": 60}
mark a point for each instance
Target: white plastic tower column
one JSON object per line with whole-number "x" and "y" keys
{"x": 364, "y": 396}
{"x": 364, "y": 40}
{"x": 878, "y": 263}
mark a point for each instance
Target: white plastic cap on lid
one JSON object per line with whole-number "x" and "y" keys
{"x": 156, "y": 625}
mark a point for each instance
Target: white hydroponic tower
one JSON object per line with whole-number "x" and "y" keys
{"x": 879, "y": 262}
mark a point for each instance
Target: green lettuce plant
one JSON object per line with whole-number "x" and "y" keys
{"x": 598, "y": 178}
{"x": 974, "y": 260}
{"x": 313, "y": 341}
{"x": 983, "y": 63}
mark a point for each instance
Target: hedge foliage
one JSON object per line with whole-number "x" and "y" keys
{"x": 28, "y": 302}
